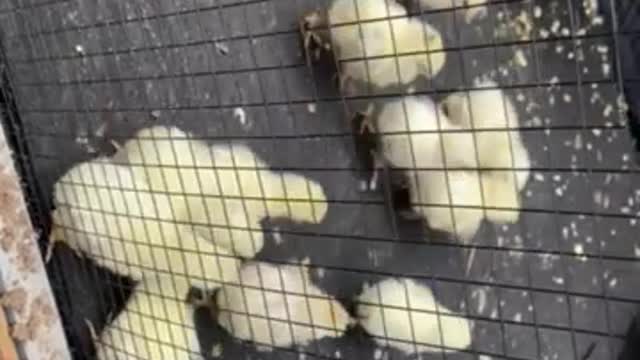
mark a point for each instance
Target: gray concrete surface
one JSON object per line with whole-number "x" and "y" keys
{"x": 564, "y": 277}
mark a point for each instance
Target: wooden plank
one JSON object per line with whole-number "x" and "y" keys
{"x": 27, "y": 298}
{"x": 7, "y": 346}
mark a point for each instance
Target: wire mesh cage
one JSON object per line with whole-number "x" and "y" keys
{"x": 337, "y": 179}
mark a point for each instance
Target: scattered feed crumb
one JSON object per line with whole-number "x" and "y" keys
{"x": 311, "y": 107}
{"x": 578, "y": 249}
{"x": 277, "y": 236}
{"x": 537, "y": 12}
{"x": 155, "y": 114}
{"x": 222, "y": 48}
{"x": 240, "y": 114}
{"x": 377, "y": 355}
{"x": 520, "y": 58}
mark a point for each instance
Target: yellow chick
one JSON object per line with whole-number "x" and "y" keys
{"x": 109, "y": 215}
{"x": 412, "y": 139}
{"x": 452, "y": 201}
{"x": 278, "y": 306}
{"x": 155, "y": 324}
{"x": 226, "y": 190}
{"x": 415, "y": 133}
{"x": 420, "y": 138}
{"x": 500, "y": 145}
{"x": 403, "y": 314}
{"x": 455, "y": 203}
{"x": 487, "y": 108}
{"x": 375, "y": 49}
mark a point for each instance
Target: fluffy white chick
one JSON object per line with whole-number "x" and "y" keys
{"x": 412, "y": 138}
{"x": 251, "y": 191}
{"x": 415, "y": 133}
{"x": 109, "y": 215}
{"x": 420, "y": 137}
{"x": 155, "y": 324}
{"x": 374, "y": 49}
{"x": 225, "y": 189}
{"x": 279, "y": 306}
{"x": 401, "y": 313}
{"x": 488, "y": 108}
{"x": 450, "y": 201}
{"x": 169, "y": 161}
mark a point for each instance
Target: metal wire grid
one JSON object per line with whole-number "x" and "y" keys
{"x": 37, "y": 37}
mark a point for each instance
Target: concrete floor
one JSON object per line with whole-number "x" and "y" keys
{"x": 566, "y": 275}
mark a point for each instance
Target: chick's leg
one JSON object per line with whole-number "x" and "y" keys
{"x": 313, "y": 44}
{"x": 49, "y": 252}
{"x": 379, "y": 165}
{"x": 92, "y": 330}
{"x": 366, "y": 143}
{"x": 57, "y": 236}
{"x": 364, "y": 122}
